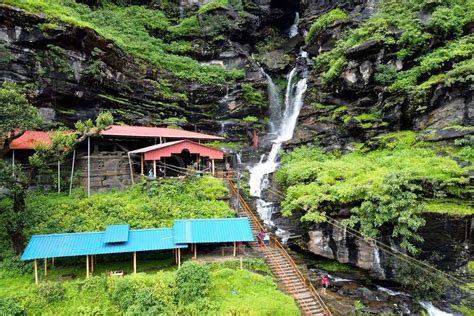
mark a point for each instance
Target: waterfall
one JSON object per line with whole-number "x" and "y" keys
{"x": 283, "y": 127}
{"x": 274, "y": 100}
{"x": 377, "y": 267}
{"x": 293, "y": 30}
{"x": 238, "y": 156}
{"x": 432, "y": 310}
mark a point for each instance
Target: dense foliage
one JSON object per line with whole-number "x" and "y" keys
{"x": 229, "y": 291}
{"x": 399, "y": 27}
{"x": 192, "y": 282}
{"x": 169, "y": 200}
{"x": 323, "y": 21}
{"x": 379, "y": 182}
{"x": 132, "y": 29}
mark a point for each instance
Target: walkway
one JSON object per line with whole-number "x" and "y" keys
{"x": 283, "y": 266}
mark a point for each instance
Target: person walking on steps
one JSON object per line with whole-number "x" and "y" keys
{"x": 324, "y": 284}
{"x": 266, "y": 239}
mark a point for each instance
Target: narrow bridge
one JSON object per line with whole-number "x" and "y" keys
{"x": 283, "y": 266}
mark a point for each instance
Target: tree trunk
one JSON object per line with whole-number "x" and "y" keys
{"x": 16, "y": 226}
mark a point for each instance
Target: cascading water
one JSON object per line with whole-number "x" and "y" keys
{"x": 293, "y": 30}
{"x": 282, "y": 126}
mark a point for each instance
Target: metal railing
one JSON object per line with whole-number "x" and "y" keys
{"x": 307, "y": 283}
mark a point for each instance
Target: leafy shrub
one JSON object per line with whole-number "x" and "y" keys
{"x": 396, "y": 204}
{"x": 253, "y": 96}
{"x": 51, "y": 292}
{"x": 323, "y": 22}
{"x": 123, "y": 292}
{"x": 10, "y": 306}
{"x": 447, "y": 22}
{"x": 13, "y": 266}
{"x": 385, "y": 74}
{"x": 192, "y": 282}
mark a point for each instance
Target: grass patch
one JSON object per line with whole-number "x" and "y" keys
{"x": 449, "y": 206}
{"x": 231, "y": 291}
{"x": 333, "y": 266}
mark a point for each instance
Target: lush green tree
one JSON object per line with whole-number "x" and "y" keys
{"x": 192, "y": 282}
{"x": 16, "y": 113}
{"x": 16, "y": 116}
{"x": 395, "y": 204}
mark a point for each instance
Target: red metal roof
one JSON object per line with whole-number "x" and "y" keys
{"x": 154, "y": 132}
{"x": 30, "y": 139}
{"x": 155, "y": 152}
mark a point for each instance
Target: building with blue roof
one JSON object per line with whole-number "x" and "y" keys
{"x": 120, "y": 239}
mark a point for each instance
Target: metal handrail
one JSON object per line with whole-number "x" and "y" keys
{"x": 276, "y": 242}
{"x": 302, "y": 277}
{"x": 247, "y": 210}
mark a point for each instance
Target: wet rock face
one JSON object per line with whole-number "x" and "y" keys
{"x": 56, "y": 63}
{"x": 446, "y": 241}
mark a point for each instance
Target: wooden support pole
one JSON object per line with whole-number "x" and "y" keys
{"x": 88, "y": 166}
{"x": 195, "y": 251}
{"x": 45, "y": 266}
{"x": 235, "y": 248}
{"x": 142, "y": 165}
{"x": 72, "y": 171}
{"x": 92, "y": 264}
{"x": 134, "y": 262}
{"x": 154, "y": 168}
{"x": 222, "y": 251}
{"x": 87, "y": 267}
{"x": 36, "y": 272}
{"x": 131, "y": 168}
{"x": 52, "y": 261}
{"x": 59, "y": 177}
{"x": 179, "y": 257}
{"x": 13, "y": 162}
{"x": 213, "y": 167}
{"x": 241, "y": 263}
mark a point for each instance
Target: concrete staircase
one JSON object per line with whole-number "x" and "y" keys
{"x": 283, "y": 266}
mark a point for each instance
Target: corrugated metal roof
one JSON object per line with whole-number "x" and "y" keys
{"x": 91, "y": 243}
{"x": 212, "y": 230}
{"x": 155, "y": 152}
{"x": 116, "y": 233}
{"x": 30, "y": 139}
{"x": 154, "y": 132}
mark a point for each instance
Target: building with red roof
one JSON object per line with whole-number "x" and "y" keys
{"x": 119, "y": 154}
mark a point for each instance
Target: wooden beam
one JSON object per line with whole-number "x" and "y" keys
{"x": 59, "y": 177}
{"x": 45, "y": 266}
{"x": 142, "y": 165}
{"x": 213, "y": 167}
{"x": 134, "y": 262}
{"x": 179, "y": 257}
{"x": 235, "y": 248}
{"x": 36, "y": 272}
{"x": 72, "y": 172}
{"x": 87, "y": 267}
{"x": 241, "y": 263}
{"x": 195, "y": 251}
{"x": 154, "y": 168}
{"x": 92, "y": 264}
{"x": 88, "y": 166}
{"x": 52, "y": 261}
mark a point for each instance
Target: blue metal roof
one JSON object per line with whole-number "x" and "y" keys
{"x": 212, "y": 230}
{"x": 119, "y": 239}
{"x": 92, "y": 243}
{"x": 116, "y": 233}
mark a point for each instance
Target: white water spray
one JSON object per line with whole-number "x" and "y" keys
{"x": 293, "y": 30}
{"x": 432, "y": 310}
